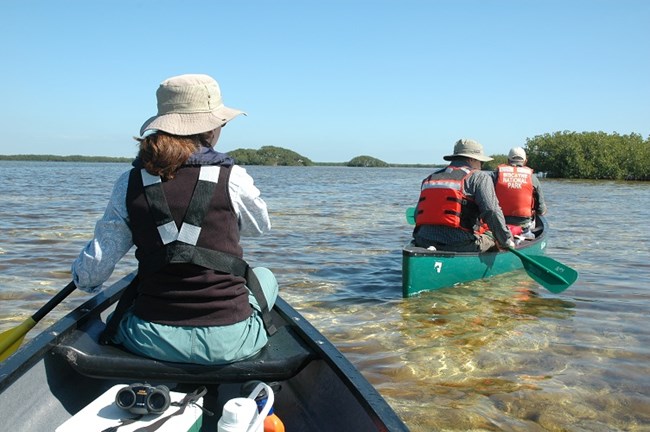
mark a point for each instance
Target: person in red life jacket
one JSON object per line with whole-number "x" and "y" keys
{"x": 458, "y": 205}
{"x": 184, "y": 206}
{"x": 519, "y": 192}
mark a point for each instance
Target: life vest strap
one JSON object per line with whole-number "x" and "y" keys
{"x": 195, "y": 213}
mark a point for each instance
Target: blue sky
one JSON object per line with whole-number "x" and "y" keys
{"x": 399, "y": 80}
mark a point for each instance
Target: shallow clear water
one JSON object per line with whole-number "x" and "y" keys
{"x": 497, "y": 354}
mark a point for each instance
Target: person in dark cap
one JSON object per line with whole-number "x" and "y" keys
{"x": 458, "y": 209}
{"x": 184, "y": 206}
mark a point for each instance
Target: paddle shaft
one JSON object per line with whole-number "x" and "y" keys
{"x": 11, "y": 339}
{"x": 54, "y": 301}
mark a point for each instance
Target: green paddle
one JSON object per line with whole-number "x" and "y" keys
{"x": 410, "y": 215}
{"x": 551, "y": 274}
{"x": 10, "y": 340}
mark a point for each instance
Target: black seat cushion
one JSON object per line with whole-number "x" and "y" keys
{"x": 283, "y": 357}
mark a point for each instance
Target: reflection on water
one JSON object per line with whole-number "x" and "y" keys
{"x": 455, "y": 350}
{"x": 498, "y": 354}
{"x": 476, "y": 344}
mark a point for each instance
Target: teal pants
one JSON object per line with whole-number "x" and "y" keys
{"x": 201, "y": 345}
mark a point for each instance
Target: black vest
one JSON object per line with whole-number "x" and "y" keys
{"x": 190, "y": 262}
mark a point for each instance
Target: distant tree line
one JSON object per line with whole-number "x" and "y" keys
{"x": 278, "y": 156}
{"x": 269, "y": 155}
{"x": 587, "y": 155}
{"x": 590, "y": 155}
{"x": 72, "y": 158}
{"x": 366, "y": 161}
{"x": 571, "y": 155}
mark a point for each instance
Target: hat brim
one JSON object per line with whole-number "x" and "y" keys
{"x": 481, "y": 158}
{"x": 184, "y": 124}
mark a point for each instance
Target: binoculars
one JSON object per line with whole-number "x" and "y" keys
{"x": 143, "y": 399}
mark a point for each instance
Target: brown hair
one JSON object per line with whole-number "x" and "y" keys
{"x": 162, "y": 153}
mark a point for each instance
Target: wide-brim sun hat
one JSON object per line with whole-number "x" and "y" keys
{"x": 188, "y": 105}
{"x": 468, "y": 148}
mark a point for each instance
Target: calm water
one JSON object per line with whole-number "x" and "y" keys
{"x": 500, "y": 354}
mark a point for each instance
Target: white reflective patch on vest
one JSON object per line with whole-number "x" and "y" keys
{"x": 148, "y": 179}
{"x": 168, "y": 232}
{"x": 189, "y": 234}
{"x": 209, "y": 173}
{"x": 438, "y": 184}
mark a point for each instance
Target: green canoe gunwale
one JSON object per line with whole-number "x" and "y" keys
{"x": 426, "y": 270}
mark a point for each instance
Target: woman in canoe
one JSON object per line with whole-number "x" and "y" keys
{"x": 184, "y": 206}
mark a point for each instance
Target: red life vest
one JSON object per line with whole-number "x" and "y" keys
{"x": 514, "y": 189}
{"x": 443, "y": 201}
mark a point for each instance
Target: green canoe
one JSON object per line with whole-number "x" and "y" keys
{"x": 427, "y": 270}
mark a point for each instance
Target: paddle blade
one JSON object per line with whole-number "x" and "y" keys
{"x": 11, "y": 339}
{"x": 410, "y": 215}
{"x": 551, "y": 274}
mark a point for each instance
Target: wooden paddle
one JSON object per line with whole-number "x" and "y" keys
{"x": 10, "y": 340}
{"x": 551, "y": 274}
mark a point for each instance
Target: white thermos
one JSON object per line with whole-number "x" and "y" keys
{"x": 241, "y": 414}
